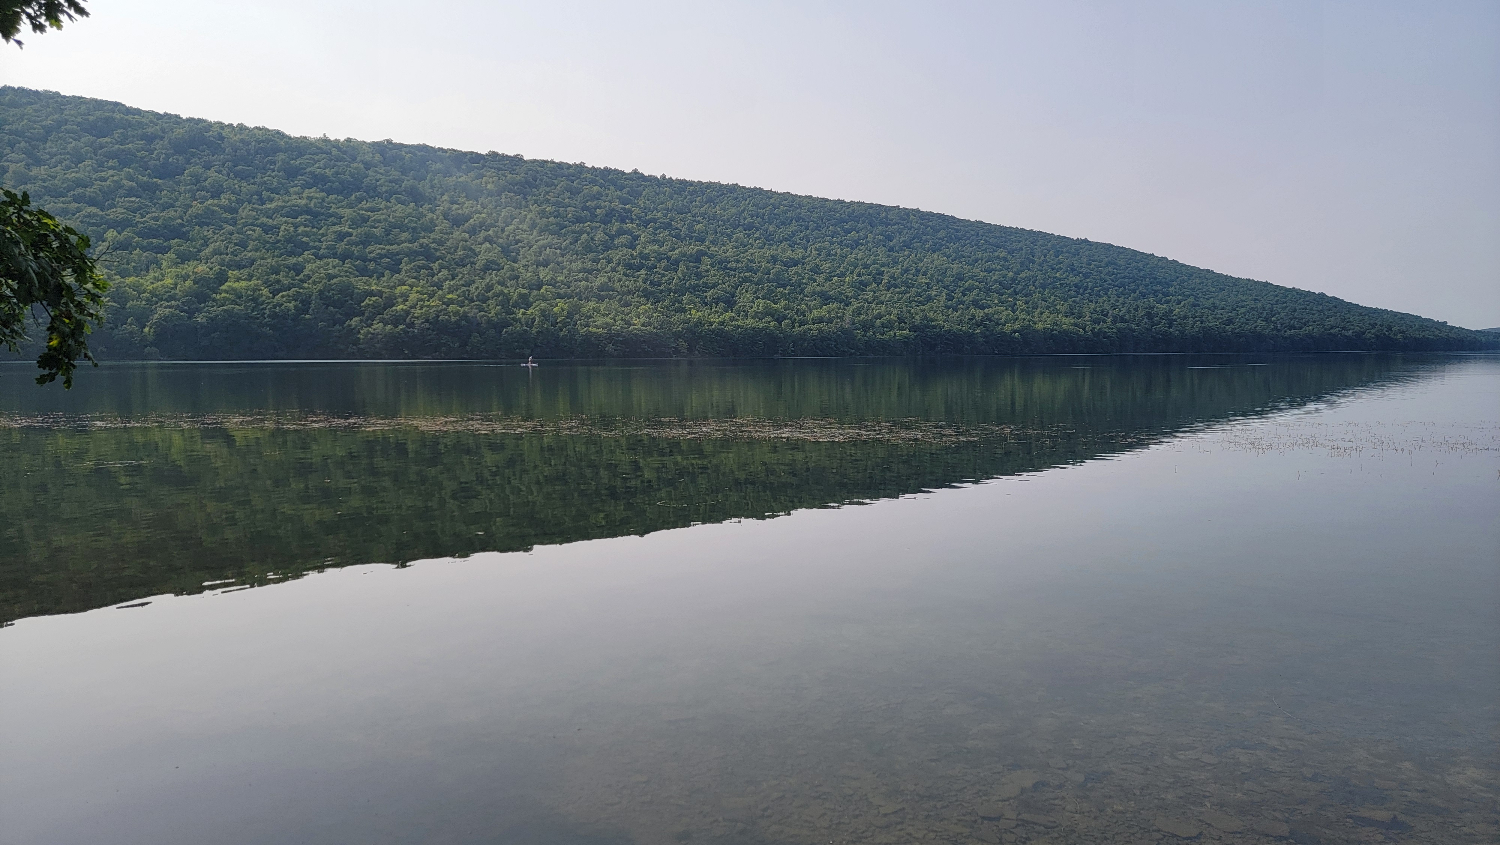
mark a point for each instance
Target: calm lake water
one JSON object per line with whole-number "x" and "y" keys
{"x": 1113, "y": 599}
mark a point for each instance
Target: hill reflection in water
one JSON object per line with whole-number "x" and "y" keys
{"x": 165, "y": 478}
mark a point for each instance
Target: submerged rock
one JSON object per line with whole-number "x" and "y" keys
{"x": 1271, "y": 827}
{"x": 1015, "y": 783}
{"x": 1222, "y": 821}
{"x": 995, "y": 810}
{"x": 1038, "y": 819}
{"x": 1377, "y": 818}
{"x": 1178, "y": 827}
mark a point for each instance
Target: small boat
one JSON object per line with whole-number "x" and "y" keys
{"x": 529, "y": 362}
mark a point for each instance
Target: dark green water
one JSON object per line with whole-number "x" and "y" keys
{"x": 1086, "y": 599}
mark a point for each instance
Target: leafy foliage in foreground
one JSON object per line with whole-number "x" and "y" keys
{"x": 45, "y": 266}
{"x": 237, "y": 242}
{"x": 36, "y": 15}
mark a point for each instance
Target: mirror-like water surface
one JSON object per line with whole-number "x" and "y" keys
{"x": 1084, "y": 600}
{"x": 164, "y": 477}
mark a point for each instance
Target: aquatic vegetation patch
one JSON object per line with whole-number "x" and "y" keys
{"x": 817, "y": 430}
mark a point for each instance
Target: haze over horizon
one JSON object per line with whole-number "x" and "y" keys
{"x": 1352, "y": 149}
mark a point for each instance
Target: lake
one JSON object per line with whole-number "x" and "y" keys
{"x": 1076, "y": 599}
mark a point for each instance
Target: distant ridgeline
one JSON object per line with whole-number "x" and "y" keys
{"x": 231, "y": 242}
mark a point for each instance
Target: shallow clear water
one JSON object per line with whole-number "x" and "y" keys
{"x": 1082, "y": 600}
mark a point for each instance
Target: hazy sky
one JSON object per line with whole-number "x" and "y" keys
{"x": 1351, "y": 148}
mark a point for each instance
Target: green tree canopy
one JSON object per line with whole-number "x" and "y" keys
{"x": 37, "y": 15}
{"x": 44, "y": 265}
{"x": 235, "y": 242}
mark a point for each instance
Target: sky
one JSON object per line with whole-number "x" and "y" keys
{"x": 1349, "y": 148}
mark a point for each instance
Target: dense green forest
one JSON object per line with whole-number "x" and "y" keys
{"x": 225, "y": 242}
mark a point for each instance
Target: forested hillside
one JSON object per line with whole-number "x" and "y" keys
{"x": 225, "y": 241}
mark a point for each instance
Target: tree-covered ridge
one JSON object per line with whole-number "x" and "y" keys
{"x": 227, "y": 241}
